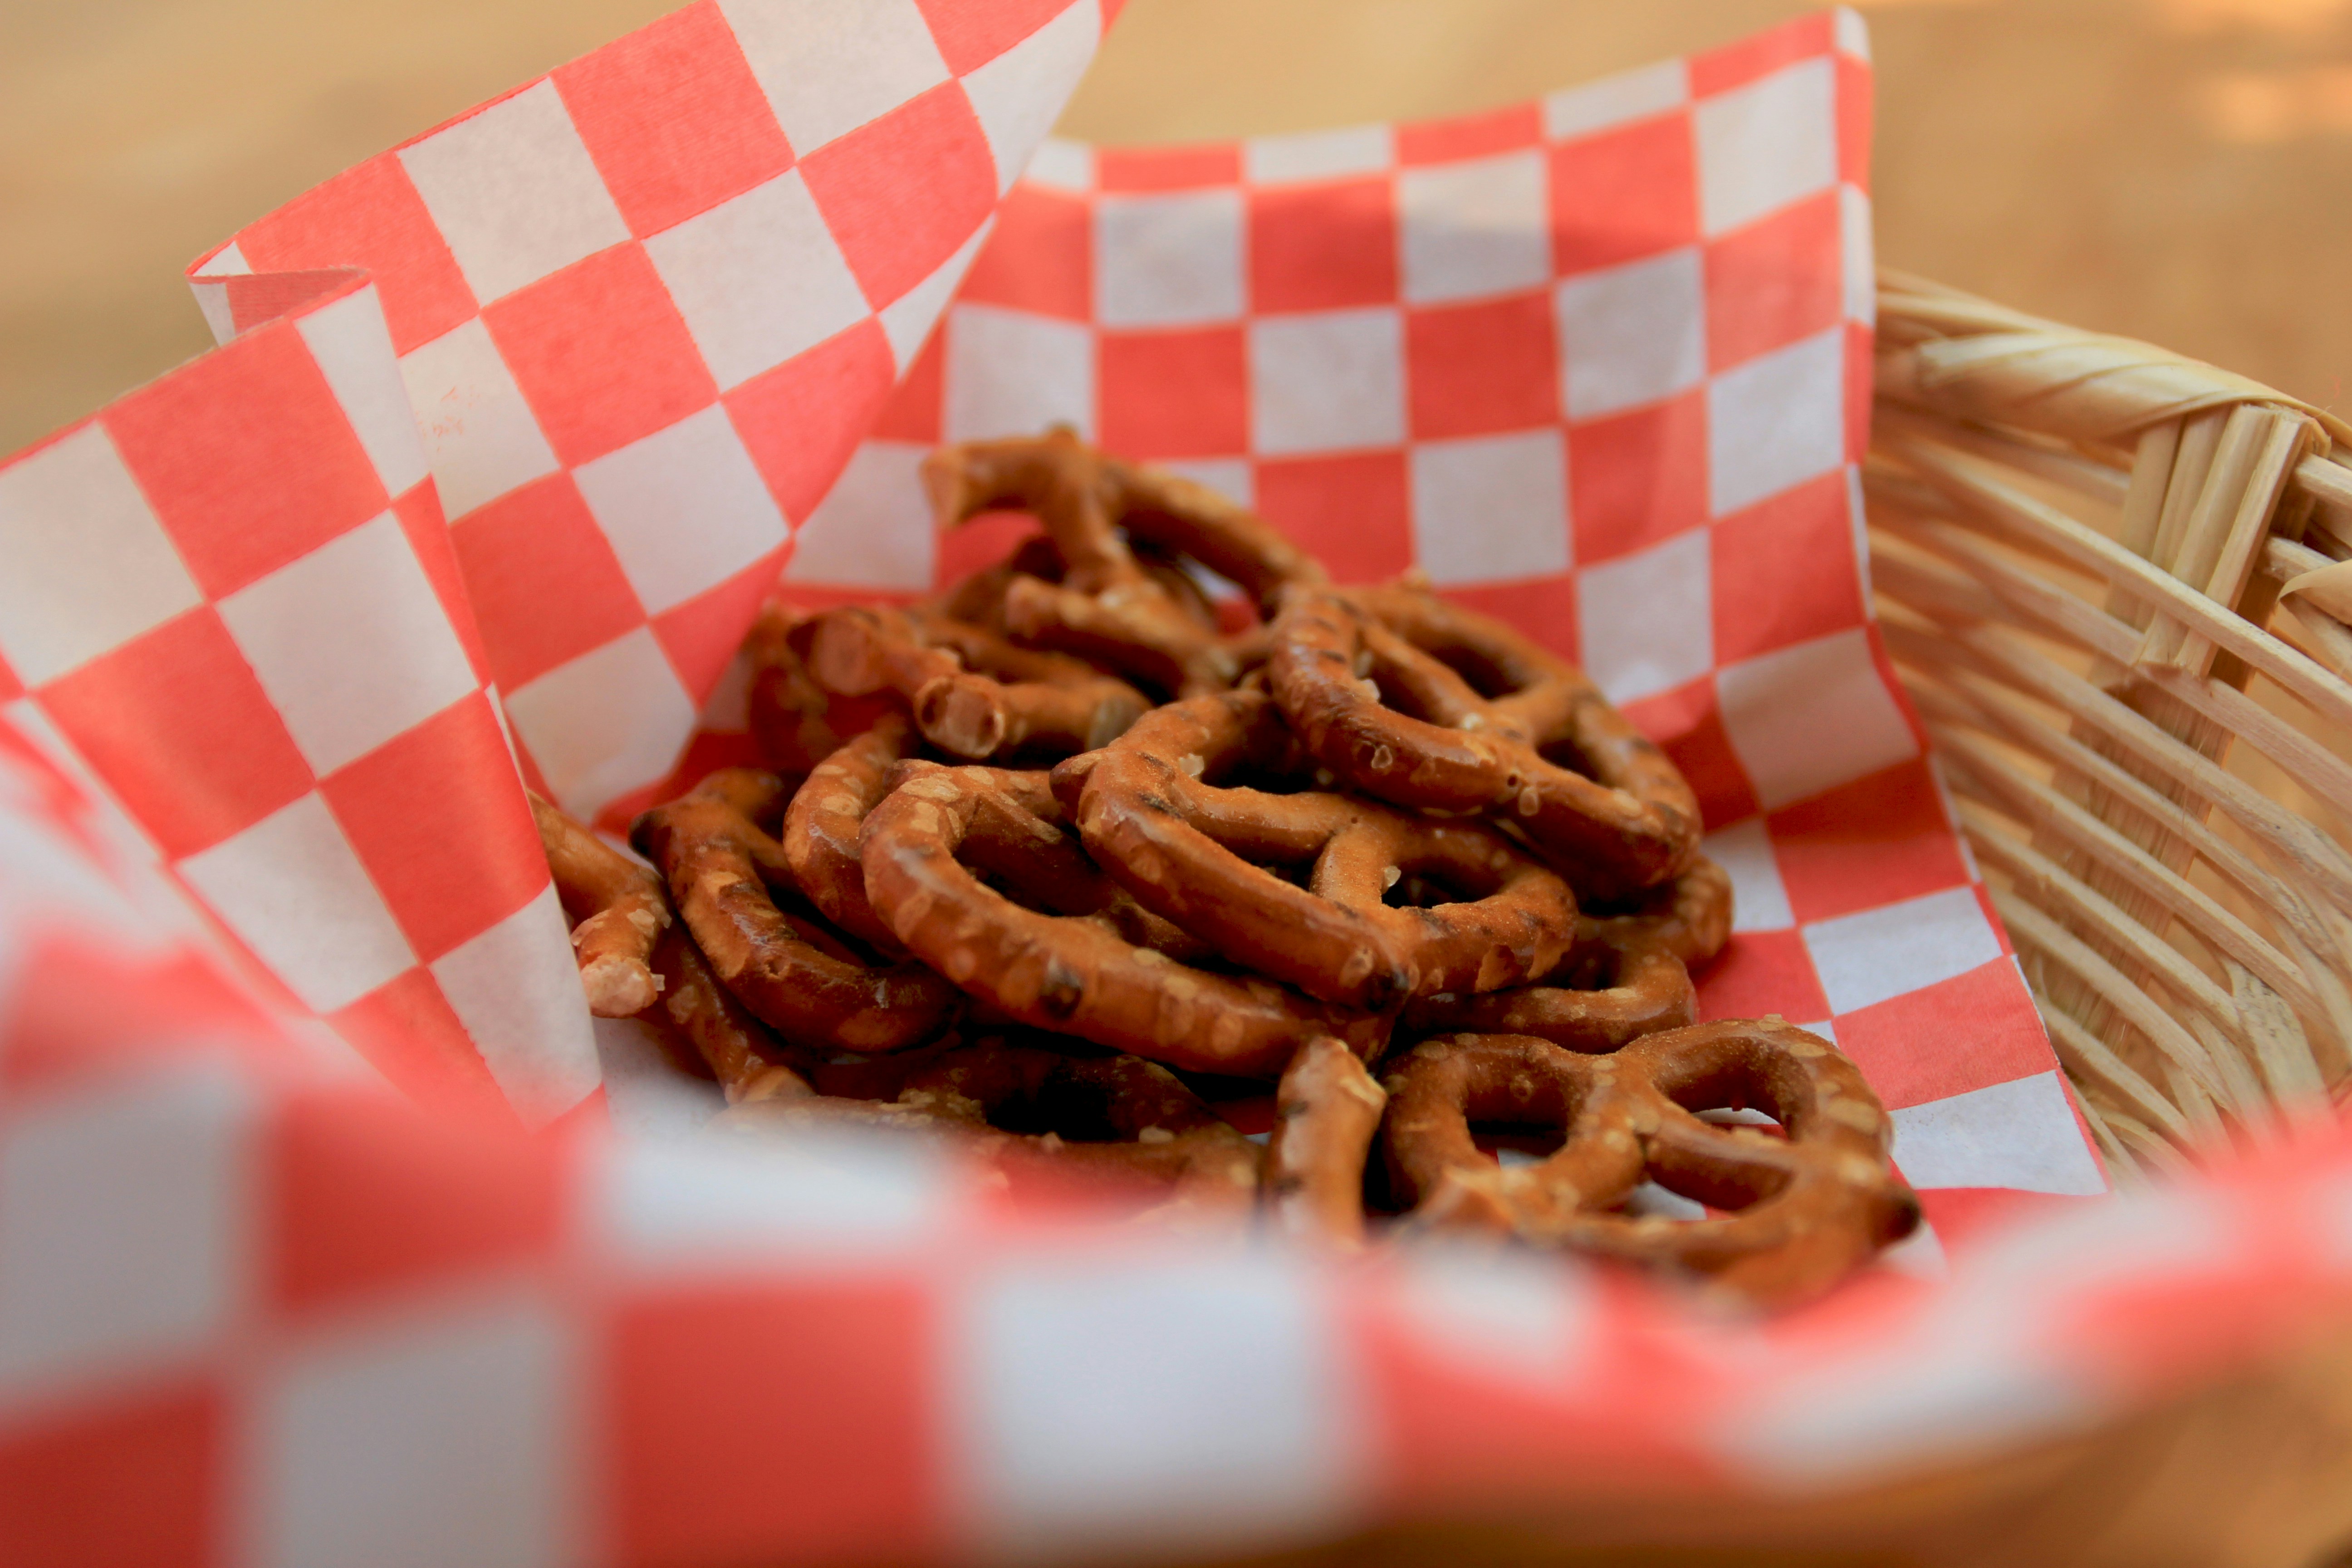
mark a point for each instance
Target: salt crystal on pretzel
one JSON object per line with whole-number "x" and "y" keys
{"x": 1056, "y": 968}
{"x": 1807, "y": 1207}
{"x": 1327, "y": 1110}
{"x": 800, "y": 979}
{"x": 618, "y": 909}
{"x": 1427, "y": 704}
{"x": 1108, "y": 606}
{"x": 1167, "y": 810}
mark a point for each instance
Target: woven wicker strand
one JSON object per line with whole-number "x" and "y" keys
{"x": 2116, "y": 583}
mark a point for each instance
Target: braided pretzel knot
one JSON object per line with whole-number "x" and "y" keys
{"x": 796, "y": 976}
{"x": 1114, "y": 1121}
{"x": 1162, "y": 810}
{"x": 821, "y": 827}
{"x": 1690, "y": 917}
{"x": 971, "y": 692}
{"x": 618, "y": 908}
{"x": 1810, "y": 1206}
{"x": 1388, "y": 687}
{"x": 1108, "y": 606}
{"x": 1065, "y": 967}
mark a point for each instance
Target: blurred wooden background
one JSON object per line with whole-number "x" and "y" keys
{"x": 2171, "y": 169}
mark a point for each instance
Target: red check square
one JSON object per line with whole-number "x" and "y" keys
{"x": 182, "y": 733}
{"x": 817, "y": 1377}
{"x": 63, "y": 1501}
{"x": 1762, "y": 972}
{"x": 1175, "y": 393}
{"x": 371, "y": 217}
{"x": 1041, "y": 257}
{"x": 1320, "y": 248}
{"x": 601, "y": 354}
{"x": 1542, "y": 607}
{"x": 1793, "y": 559}
{"x": 420, "y": 524}
{"x": 1470, "y": 135}
{"x": 437, "y": 819}
{"x": 2005, "y": 1036}
{"x": 1639, "y": 479}
{"x": 801, "y": 420}
{"x": 241, "y": 496}
{"x": 701, "y": 635}
{"x": 911, "y": 414}
{"x": 1623, "y": 195}
{"x": 407, "y": 1031}
{"x": 969, "y": 37}
{"x": 545, "y": 581}
{"x": 901, "y": 194}
{"x": 1766, "y": 285}
{"x": 1479, "y": 369}
{"x": 1687, "y": 723}
{"x": 674, "y": 118}
{"x": 1351, "y": 512}
{"x": 1878, "y": 840}
{"x": 369, "y": 1196}
{"x": 1167, "y": 168}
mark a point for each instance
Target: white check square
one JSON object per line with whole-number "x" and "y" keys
{"x": 1474, "y": 229}
{"x": 514, "y": 192}
{"x": 758, "y": 279}
{"x": 684, "y": 508}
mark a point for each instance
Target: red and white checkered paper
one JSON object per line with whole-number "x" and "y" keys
{"x": 276, "y": 669}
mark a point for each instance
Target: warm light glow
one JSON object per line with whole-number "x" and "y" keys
{"x": 2255, "y": 107}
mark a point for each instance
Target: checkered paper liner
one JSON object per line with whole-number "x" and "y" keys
{"x": 664, "y": 321}
{"x": 255, "y": 1310}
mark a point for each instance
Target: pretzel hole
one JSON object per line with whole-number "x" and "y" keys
{"x": 1072, "y": 1110}
{"x": 1429, "y": 886}
{"x": 1489, "y": 679}
{"x": 1568, "y": 754}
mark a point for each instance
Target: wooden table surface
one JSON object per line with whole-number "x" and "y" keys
{"x": 2178, "y": 170}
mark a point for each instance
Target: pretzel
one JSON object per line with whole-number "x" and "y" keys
{"x": 820, "y": 834}
{"x": 1054, "y": 967}
{"x": 1327, "y": 1110}
{"x": 617, "y": 908}
{"x": 1613, "y": 987}
{"x": 1690, "y": 917}
{"x": 1112, "y": 1120}
{"x": 1388, "y": 685}
{"x": 795, "y": 723}
{"x": 1166, "y": 810}
{"x": 1808, "y": 1206}
{"x": 971, "y": 692}
{"x": 743, "y": 1055}
{"x": 797, "y": 977}
{"x": 1106, "y": 606}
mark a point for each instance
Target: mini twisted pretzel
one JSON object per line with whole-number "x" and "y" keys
{"x": 1327, "y": 1110}
{"x": 1060, "y": 969}
{"x": 1808, "y": 1206}
{"x": 1390, "y": 689}
{"x": 1690, "y": 917}
{"x": 746, "y": 1060}
{"x": 821, "y": 824}
{"x": 1113, "y": 1120}
{"x": 1613, "y": 987}
{"x": 796, "y": 976}
{"x": 617, "y": 908}
{"x": 795, "y": 723}
{"x": 1163, "y": 811}
{"x": 1107, "y": 607}
{"x": 971, "y": 692}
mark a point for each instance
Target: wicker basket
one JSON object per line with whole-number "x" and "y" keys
{"x": 2098, "y": 565}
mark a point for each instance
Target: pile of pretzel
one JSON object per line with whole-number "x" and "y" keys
{"x": 1041, "y": 859}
